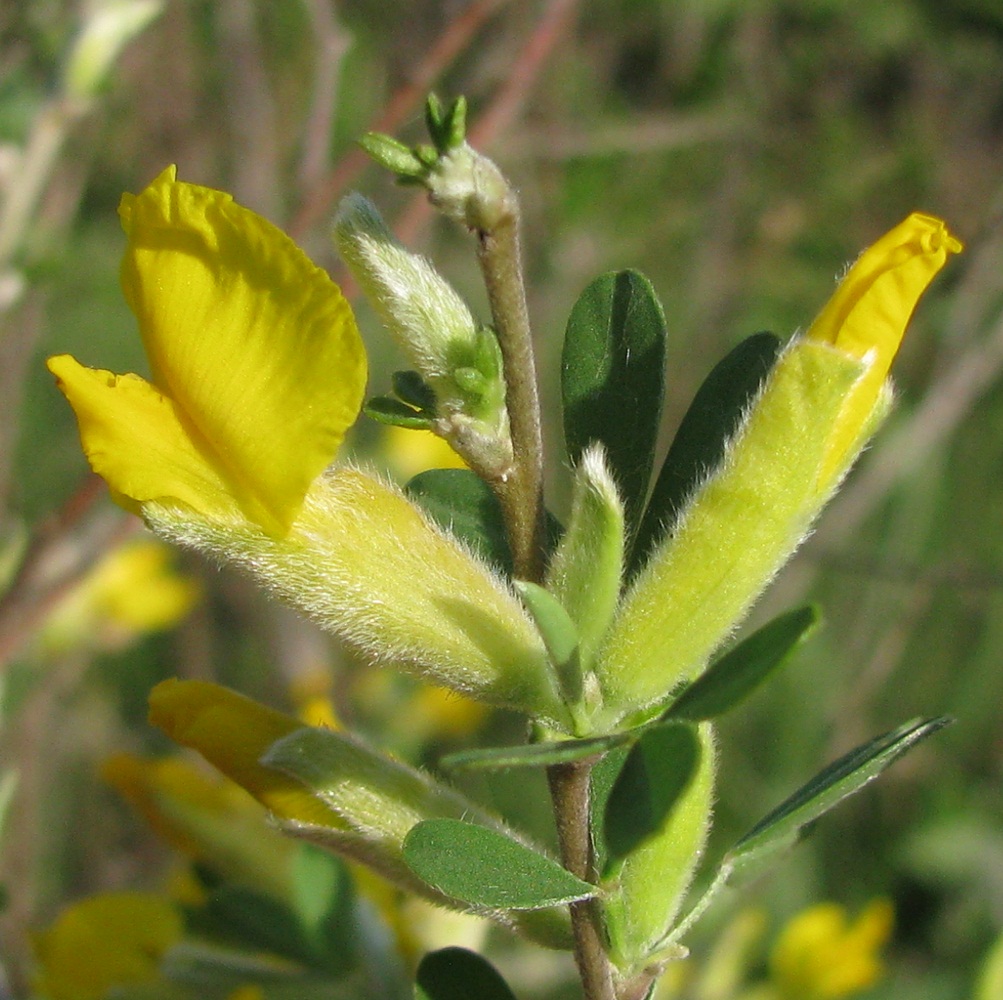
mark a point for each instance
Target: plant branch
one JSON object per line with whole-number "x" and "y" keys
{"x": 521, "y": 491}
{"x": 569, "y": 791}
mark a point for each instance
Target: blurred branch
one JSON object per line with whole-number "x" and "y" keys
{"x": 331, "y": 46}
{"x": 454, "y": 40}
{"x": 59, "y": 554}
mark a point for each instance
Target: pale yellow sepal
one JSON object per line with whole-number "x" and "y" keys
{"x": 257, "y": 365}
{"x": 737, "y": 530}
{"x": 367, "y": 565}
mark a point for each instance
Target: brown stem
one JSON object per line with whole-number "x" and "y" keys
{"x": 521, "y": 492}
{"x": 569, "y": 791}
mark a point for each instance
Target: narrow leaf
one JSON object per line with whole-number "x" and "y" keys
{"x": 486, "y": 868}
{"x": 613, "y": 379}
{"x": 736, "y": 674}
{"x": 712, "y": 418}
{"x": 783, "y": 826}
{"x": 459, "y": 974}
{"x": 559, "y": 636}
{"x": 532, "y": 754}
{"x": 387, "y": 410}
{"x": 463, "y": 503}
{"x": 656, "y": 773}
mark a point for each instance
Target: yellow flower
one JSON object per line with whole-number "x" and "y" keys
{"x": 408, "y": 452}
{"x": 823, "y": 398}
{"x": 209, "y": 820}
{"x": 116, "y": 939}
{"x": 257, "y": 365}
{"x": 821, "y": 955}
{"x": 133, "y": 589}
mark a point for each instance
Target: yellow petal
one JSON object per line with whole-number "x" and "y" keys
{"x": 113, "y": 940}
{"x": 232, "y": 733}
{"x": 254, "y": 343}
{"x": 868, "y": 314}
{"x": 137, "y": 440}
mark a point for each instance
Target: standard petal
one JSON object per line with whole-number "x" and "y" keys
{"x": 254, "y": 343}
{"x": 134, "y": 437}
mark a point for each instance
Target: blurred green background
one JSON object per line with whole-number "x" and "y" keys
{"x": 740, "y": 154}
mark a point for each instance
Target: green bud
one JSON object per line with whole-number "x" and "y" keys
{"x": 737, "y": 530}
{"x": 585, "y": 572}
{"x": 458, "y": 359}
{"x": 646, "y": 891}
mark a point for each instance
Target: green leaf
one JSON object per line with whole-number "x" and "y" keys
{"x": 559, "y": 636}
{"x": 655, "y": 774}
{"x": 736, "y": 674}
{"x": 613, "y": 379}
{"x": 387, "y": 410}
{"x": 712, "y": 418}
{"x": 603, "y": 778}
{"x": 414, "y": 390}
{"x": 463, "y": 503}
{"x": 532, "y": 754}
{"x": 459, "y": 974}
{"x": 783, "y": 826}
{"x": 392, "y": 154}
{"x": 487, "y": 868}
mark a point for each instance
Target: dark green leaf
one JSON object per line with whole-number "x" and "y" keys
{"x": 387, "y": 410}
{"x": 532, "y": 754}
{"x": 654, "y": 776}
{"x": 613, "y": 379}
{"x": 459, "y": 974}
{"x": 487, "y": 868}
{"x": 782, "y": 827}
{"x": 414, "y": 390}
{"x": 603, "y": 778}
{"x": 736, "y": 674}
{"x": 712, "y": 418}
{"x": 463, "y": 503}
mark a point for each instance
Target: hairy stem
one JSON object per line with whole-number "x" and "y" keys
{"x": 521, "y": 492}
{"x": 569, "y": 791}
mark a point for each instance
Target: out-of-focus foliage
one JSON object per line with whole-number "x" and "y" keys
{"x": 738, "y": 154}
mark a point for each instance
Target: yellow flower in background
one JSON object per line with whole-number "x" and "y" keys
{"x": 257, "y": 365}
{"x": 822, "y": 955}
{"x": 116, "y": 939}
{"x": 132, "y": 590}
{"x": 408, "y": 452}
{"x": 208, "y": 819}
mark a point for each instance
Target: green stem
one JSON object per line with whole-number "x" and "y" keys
{"x": 521, "y": 491}
{"x": 569, "y": 791}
